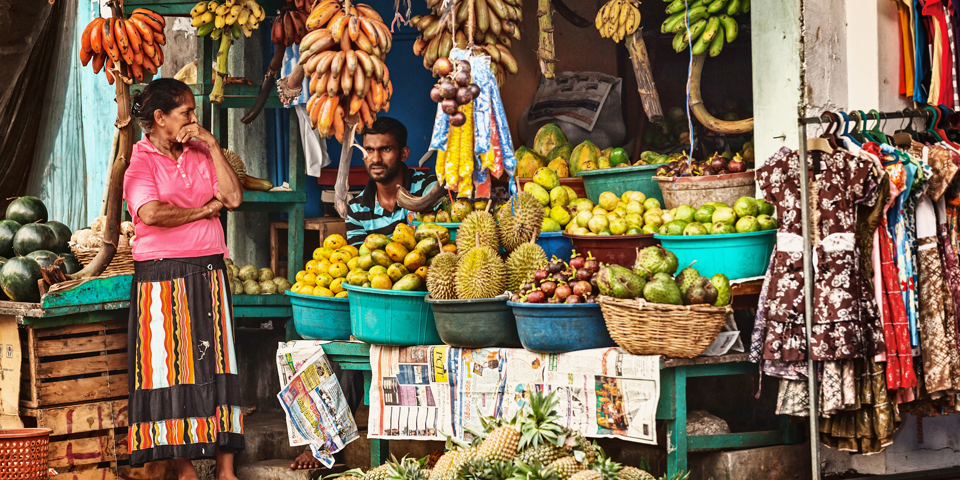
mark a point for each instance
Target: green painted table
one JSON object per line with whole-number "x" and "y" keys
{"x": 672, "y": 406}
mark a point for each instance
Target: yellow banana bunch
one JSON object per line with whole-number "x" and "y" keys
{"x": 343, "y": 56}
{"x": 497, "y": 26}
{"x": 618, "y": 19}
{"x": 208, "y": 16}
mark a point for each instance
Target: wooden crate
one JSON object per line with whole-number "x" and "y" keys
{"x": 152, "y": 471}
{"x": 72, "y": 364}
{"x": 324, "y": 226}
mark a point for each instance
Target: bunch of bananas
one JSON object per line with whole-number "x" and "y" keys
{"x": 289, "y": 27}
{"x": 618, "y": 18}
{"x": 496, "y": 26}
{"x": 343, "y": 56}
{"x": 133, "y": 41}
{"x": 711, "y": 24}
{"x": 233, "y": 16}
{"x": 225, "y": 22}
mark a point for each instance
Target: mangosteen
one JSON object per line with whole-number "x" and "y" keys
{"x": 435, "y": 94}
{"x": 592, "y": 264}
{"x": 559, "y": 277}
{"x": 548, "y": 288}
{"x": 463, "y": 96}
{"x": 582, "y": 288}
{"x": 458, "y": 119}
{"x": 536, "y": 296}
{"x": 573, "y": 299}
{"x": 584, "y": 274}
{"x": 474, "y": 90}
{"x": 447, "y": 89}
{"x": 515, "y": 298}
{"x": 449, "y": 106}
{"x": 709, "y": 170}
{"x": 442, "y": 67}
{"x": 718, "y": 163}
{"x": 737, "y": 165}
{"x": 462, "y": 78}
{"x": 576, "y": 261}
{"x": 563, "y": 291}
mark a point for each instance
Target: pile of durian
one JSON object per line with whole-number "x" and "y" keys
{"x": 477, "y": 270}
{"x": 93, "y": 237}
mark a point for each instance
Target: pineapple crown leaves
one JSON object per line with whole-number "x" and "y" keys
{"x": 540, "y": 424}
{"x": 455, "y": 443}
{"x": 405, "y": 469}
{"x": 534, "y": 471}
{"x": 483, "y": 469}
{"x": 356, "y": 472}
{"x": 606, "y": 466}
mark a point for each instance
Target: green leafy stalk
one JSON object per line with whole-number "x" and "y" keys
{"x": 220, "y": 75}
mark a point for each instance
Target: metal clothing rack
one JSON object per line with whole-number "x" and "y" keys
{"x": 808, "y": 266}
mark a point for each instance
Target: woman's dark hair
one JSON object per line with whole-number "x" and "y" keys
{"x": 164, "y": 94}
{"x": 388, "y": 126}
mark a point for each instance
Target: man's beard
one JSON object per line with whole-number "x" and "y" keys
{"x": 387, "y": 175}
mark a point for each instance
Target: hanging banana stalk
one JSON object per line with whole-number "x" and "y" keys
{"x": 700, "y": 111}
{"x": 546, "y": 52}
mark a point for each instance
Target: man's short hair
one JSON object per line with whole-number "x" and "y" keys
{"x": 388, "y": 126}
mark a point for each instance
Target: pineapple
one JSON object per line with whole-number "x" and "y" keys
{"x": 544, "y": 454}
{"x": 355, "y": 474}
{"x": 566, "y": 467}
{"x": 541, "y": 424}
{"x": 502, "y": 443}
{"x": 380, "y": 473}
{"x": 451, "y": 463}
{"x": 533, "y": 471}
{"x": 633, "y": 473}
{"x": 406, "y": 469}
{"x": 587, "y": 475}
{"x": 480, "y": 468}
{"x": 576, "y": 441}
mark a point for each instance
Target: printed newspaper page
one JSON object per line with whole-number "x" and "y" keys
{"x": 601, "y": 392}
{"x": 575, "y": 97}
{"x": 315, "y": 405}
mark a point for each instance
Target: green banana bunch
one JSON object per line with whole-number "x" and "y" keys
{"x": 711, "y": 24}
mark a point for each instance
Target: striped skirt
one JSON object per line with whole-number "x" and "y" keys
{"x": 184, "y": 389}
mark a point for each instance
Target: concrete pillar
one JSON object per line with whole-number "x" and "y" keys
{"x": 777, "y": 74}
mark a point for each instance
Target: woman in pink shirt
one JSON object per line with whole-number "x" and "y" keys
{"x": 184, "y": 390}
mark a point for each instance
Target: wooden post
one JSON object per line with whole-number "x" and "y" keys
{"x": 645, "y": 85}
{"x": 546, "y": 53}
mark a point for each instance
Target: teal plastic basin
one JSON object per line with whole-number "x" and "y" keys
{"x": 736, "y": 255}
{"x": 320, "y": 318}
{"x": 450, "y": 226}
{"x": 554, "y": 243}
{"x": 391, "y": 317}
{"x": 621, "y": 179}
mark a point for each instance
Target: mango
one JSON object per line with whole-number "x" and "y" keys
{"x": 376, "y": 241}
{"x": 396, "y": 251}
{"x": 422, "y": 273}
{"x": 409, "y": 282}
{"x": 542, "y": 195}
{"x": 381, "y": 258}
{"x": 558, "y": 197}
{"x": 366, "y": 262}
{"x": 548, "y": 137}
{"x": 528, "y": 162}
{"x": 381, "y": 281}
{"x": 414, "y": 260}
{"x": 571, "y": 193}
{"x": 428, "y": 247}
{"x": 404, "y": 235}
{"x": 397, "y": 271}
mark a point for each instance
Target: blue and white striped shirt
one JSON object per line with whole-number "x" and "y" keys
{"x": 366, "y": 216}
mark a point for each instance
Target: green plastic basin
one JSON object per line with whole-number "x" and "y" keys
{"x": 478, "y": 323}
{"x": 736, "y": 255}
{"x": 391, "y": 317}
{"x": 320, "y": 318}
{"x": 450, "y": 226}
{"x": 618, "y": 180}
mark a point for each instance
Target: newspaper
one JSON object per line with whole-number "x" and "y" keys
{"x": 427, "y": 393}
{"x": 574, "y": 97}
{"x": 317, "y": 411}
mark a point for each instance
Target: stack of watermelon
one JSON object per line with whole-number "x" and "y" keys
{"x": 27, "y": 242}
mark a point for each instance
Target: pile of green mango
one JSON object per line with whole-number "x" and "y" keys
{"x": 714, "y": 218}
{"x": 652, "y": 278}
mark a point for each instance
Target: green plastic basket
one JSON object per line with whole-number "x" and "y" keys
{"x": 450, "y": 226}
{"x": 621, "y": 179}
{"x": 320, "y": 318}
{"x": 391, "y": 317}
{"x": 736, "y": 255}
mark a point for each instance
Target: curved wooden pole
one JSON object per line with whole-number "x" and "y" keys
{"x": 700, "y": 111}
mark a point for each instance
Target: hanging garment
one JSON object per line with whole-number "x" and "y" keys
{"x": 838, "y": 330}
{"x": 951, "y": 265}
{"x": 935, "y": 347}
{"x": 921, "y": 82}
{"x": 869, "y": 427}
{"x": 902, "y": 177}
{"x": 784, "y": 337}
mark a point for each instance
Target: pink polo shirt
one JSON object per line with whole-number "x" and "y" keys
{"x": 189, "y": 182}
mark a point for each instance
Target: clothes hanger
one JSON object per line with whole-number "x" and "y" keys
{"x": 857, "y": 115}
{"x": 952, "y": 135}
{"x": 864, "y": 131}
{"x": 846, "y": 129}
{"x": 829, "y": 133}
{"x": 876, "y": 132}
{"x": 931, "y": 126}
{"x": 906, "y": 133}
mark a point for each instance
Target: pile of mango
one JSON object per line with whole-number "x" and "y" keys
{"x": 552, "y": 150}
{"x": 325, "y": 273}
{"x": 452, "y": 212}
{"x": 559, "y": 201}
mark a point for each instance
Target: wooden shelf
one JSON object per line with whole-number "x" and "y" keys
{"x": 274, "y": 197}
{"x": 260, "y": 300}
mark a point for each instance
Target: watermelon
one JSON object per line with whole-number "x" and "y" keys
{"x": 70, "y": 264}
{"x": 32, "y": 237}
{"x": 3, "y": 296}
{"x": 26, "y": 210}
{"x": 18, "y": 278}
{"x": 8, "y": 228}
{"x": 44, "y": 258}
{"x": 62, "y": 233}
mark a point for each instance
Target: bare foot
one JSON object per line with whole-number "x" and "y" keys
{"x": 185, "y": 470}
{"x": 305, "y": 461}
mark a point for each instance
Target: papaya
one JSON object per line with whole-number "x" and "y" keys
{"x": 559, "y": 165}
{"x": 585, "y": 152}
{"x": 528, "y": 162}
{"x": 548, "y": 137}
{"x": 561, "y": 151}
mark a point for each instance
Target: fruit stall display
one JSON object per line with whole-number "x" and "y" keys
{"x": 249, "y": 280}
{"x": 715, "y": 218}
{"x": 29, "y": 241}
{"x": 533, "y": 445}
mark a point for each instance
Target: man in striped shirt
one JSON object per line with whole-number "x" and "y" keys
{"x": 375, "y": 210}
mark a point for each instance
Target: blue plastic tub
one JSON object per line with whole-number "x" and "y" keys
{"x": 736, "y": 255}
{"x": 320, "y": 318}
{"x": 559, "y": 328}
{"x": 391, "y": 317}
{"x": 621, "y": 179}
{"x": 554, "y": 243}
{"x": 450, "y": 226}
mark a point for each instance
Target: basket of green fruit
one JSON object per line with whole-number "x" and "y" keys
{"x": 649, "y": 311}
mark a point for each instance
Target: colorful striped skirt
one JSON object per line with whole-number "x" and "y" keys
{"x": 184, "y": 389}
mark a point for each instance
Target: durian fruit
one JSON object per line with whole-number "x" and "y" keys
{"x": 520, "y": 220}
{"x": 480, "y": 274}
{"x": 442, "y": 276}
{"x": 236, "y": 163}
{"x": 479, "y": 229}
{"x": 522, "y": 262}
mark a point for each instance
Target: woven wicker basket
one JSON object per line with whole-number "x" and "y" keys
{"x": 122, "y": 263}
{"x": 681, "y": 331}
